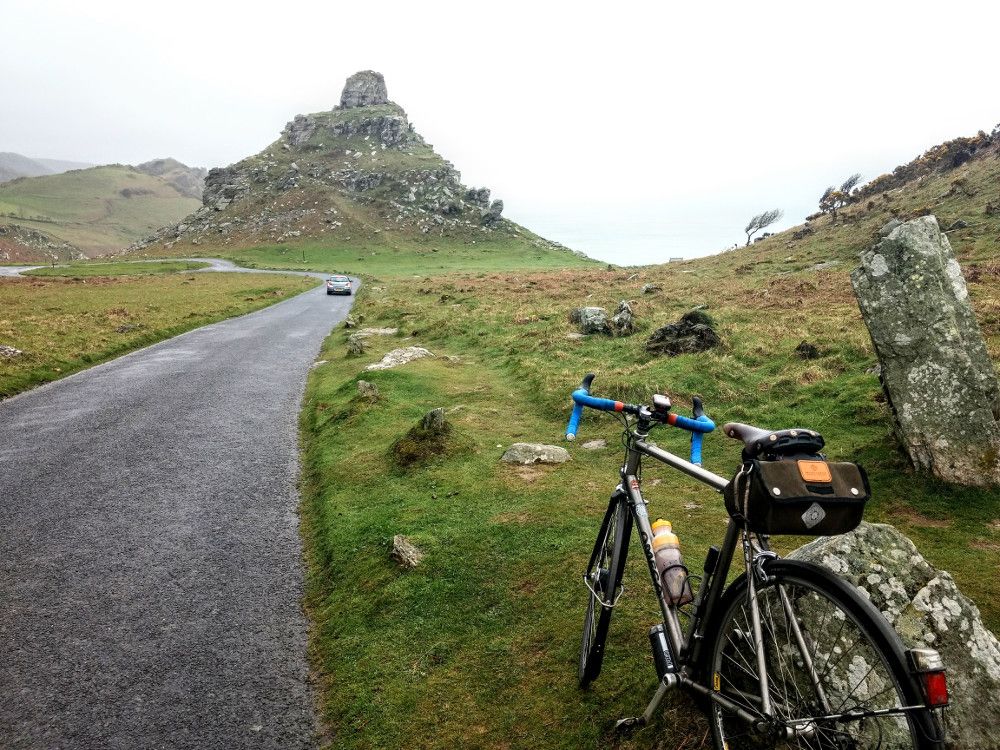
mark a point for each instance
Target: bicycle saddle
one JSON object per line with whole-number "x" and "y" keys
{"x": 757, "y": 441}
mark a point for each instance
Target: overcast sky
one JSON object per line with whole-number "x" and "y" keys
{"x": 631, "y": 131}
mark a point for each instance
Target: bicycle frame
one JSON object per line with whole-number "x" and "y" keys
{"x": 686, "y": 647}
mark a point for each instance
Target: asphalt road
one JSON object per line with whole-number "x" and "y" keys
{"x": 150, "y": 561}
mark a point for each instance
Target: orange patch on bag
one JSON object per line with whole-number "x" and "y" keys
{"x": 815, "y": 471}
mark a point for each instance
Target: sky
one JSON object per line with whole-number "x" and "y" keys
{"x": 631, "y": 131}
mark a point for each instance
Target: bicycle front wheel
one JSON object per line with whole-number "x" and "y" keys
{"x": 836, "y": 672}
{"x": 604, "y": 579}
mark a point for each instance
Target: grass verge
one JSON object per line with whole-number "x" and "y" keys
{"x": 477, "y": 647}
{"x": 124, "y": 268}
{"x": 62, "y": 325}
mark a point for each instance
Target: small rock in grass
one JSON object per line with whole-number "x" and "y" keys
{"x": 434, "y": 420}
{"x": 355, "y": 345}
{"x": 575, "y": 336}
{"x": 368, "y": 391}
{"x": 318, "y": 363}
{"x": 350, "y": 322}
{"x": 650, "y": 288}
{"x": 405, "y": 553}
{"x": 535, "y": 453}
{"x": 9, "y": 352}
{"x": 595, "y": 445}
{"x": 400, "y": 357}
{"x": 805, "y": 350}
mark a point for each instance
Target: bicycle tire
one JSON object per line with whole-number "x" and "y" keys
{"x": 613, "y": 543}
{"x": 731, "y": 663}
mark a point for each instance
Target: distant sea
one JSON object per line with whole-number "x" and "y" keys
{"x": 631, "y": 237}
{"x": 642, "y": 235}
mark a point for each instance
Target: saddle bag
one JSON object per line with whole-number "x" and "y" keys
{"x": 802, "y": 495}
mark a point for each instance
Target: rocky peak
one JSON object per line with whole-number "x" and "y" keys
{"x": 365, "y": 88}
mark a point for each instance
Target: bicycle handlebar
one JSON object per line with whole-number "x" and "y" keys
{"x": 697, "y": 426}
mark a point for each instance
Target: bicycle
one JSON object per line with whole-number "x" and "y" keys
{"x": 788, "y": 654}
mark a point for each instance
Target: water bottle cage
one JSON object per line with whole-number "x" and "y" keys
{"x": 684, "y": 589}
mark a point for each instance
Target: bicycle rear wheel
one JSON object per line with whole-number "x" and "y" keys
{"x": 836, "y": 670}
{"x": 604, "y": 578}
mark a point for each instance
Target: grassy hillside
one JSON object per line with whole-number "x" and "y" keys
{"x": 95, "y": 210}
{"x": 14, "y": 165}
{"x": 477, "y": 647}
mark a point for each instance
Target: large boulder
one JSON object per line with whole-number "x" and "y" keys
{"x": 365, "y": 88}
{"x": 591, "y": 319}
{"x": 692, "y": 333}
{"x": 936, "y": 372}
{"x": 926, "y": 608}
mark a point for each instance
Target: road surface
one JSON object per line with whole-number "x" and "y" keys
{"x": 150, "y": 561}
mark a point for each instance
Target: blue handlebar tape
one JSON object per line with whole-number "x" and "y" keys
{"x": 582, "y": 398}
{"x": 699, "y": 425}
{"x": 696, "y": 438}
{"x": 574, "y": 421}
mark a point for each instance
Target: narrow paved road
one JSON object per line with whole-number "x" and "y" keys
{"x": 150, "y": 563}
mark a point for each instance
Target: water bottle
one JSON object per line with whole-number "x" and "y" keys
{"x": 667, "y": 551}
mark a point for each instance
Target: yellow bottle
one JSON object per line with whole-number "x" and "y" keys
{"x": 667, "y": 551}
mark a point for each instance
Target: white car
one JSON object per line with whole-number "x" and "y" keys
{"x": 338, "y": 285}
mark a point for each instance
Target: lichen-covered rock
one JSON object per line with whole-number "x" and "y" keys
{"x": 623, "y": 321}
{"x": 692, "y": 333}
{"x": 535, "y": 453}
{"x": 937, "y": 374}
{"x": 926, "y": 608}
{"x": 368, "y": 391}
{"x": 434, "y": 420}
{"x": 591, "y": 319}
{"x": 400, "y": 356}
{"x": 650, "y": 288}
{"x": 365, "y": 88}
{"x": 9, "y": 352}
{"x": 355, "y": 345}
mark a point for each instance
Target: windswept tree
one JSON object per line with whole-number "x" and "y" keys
{"x": 761, "y": 221}
{"x": 835, "y": 198}
{"x": 850, "y": 183}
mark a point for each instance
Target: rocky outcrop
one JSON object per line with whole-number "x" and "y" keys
{"x": 535, "y": 453}
{"x": 359, "y": 168}
{"x": 936, "y": 372}
{"x": 364, "y": 89}
{"x": 492, "y": 214}
{"x": 692, "y": 333}
{"x": 926, "y": 608}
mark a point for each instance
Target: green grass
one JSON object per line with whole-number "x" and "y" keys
{"x": 124, "y": 268}
{"x": 477, "y": 647}
{"x": 64, "y": 325}
{"x": 394, "y": 256}
{"x": 89, "y": 209}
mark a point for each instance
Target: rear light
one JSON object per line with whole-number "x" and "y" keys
{"x": 928, "y": 667}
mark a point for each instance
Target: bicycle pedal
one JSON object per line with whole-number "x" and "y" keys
{"x": 624, "y": 726}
